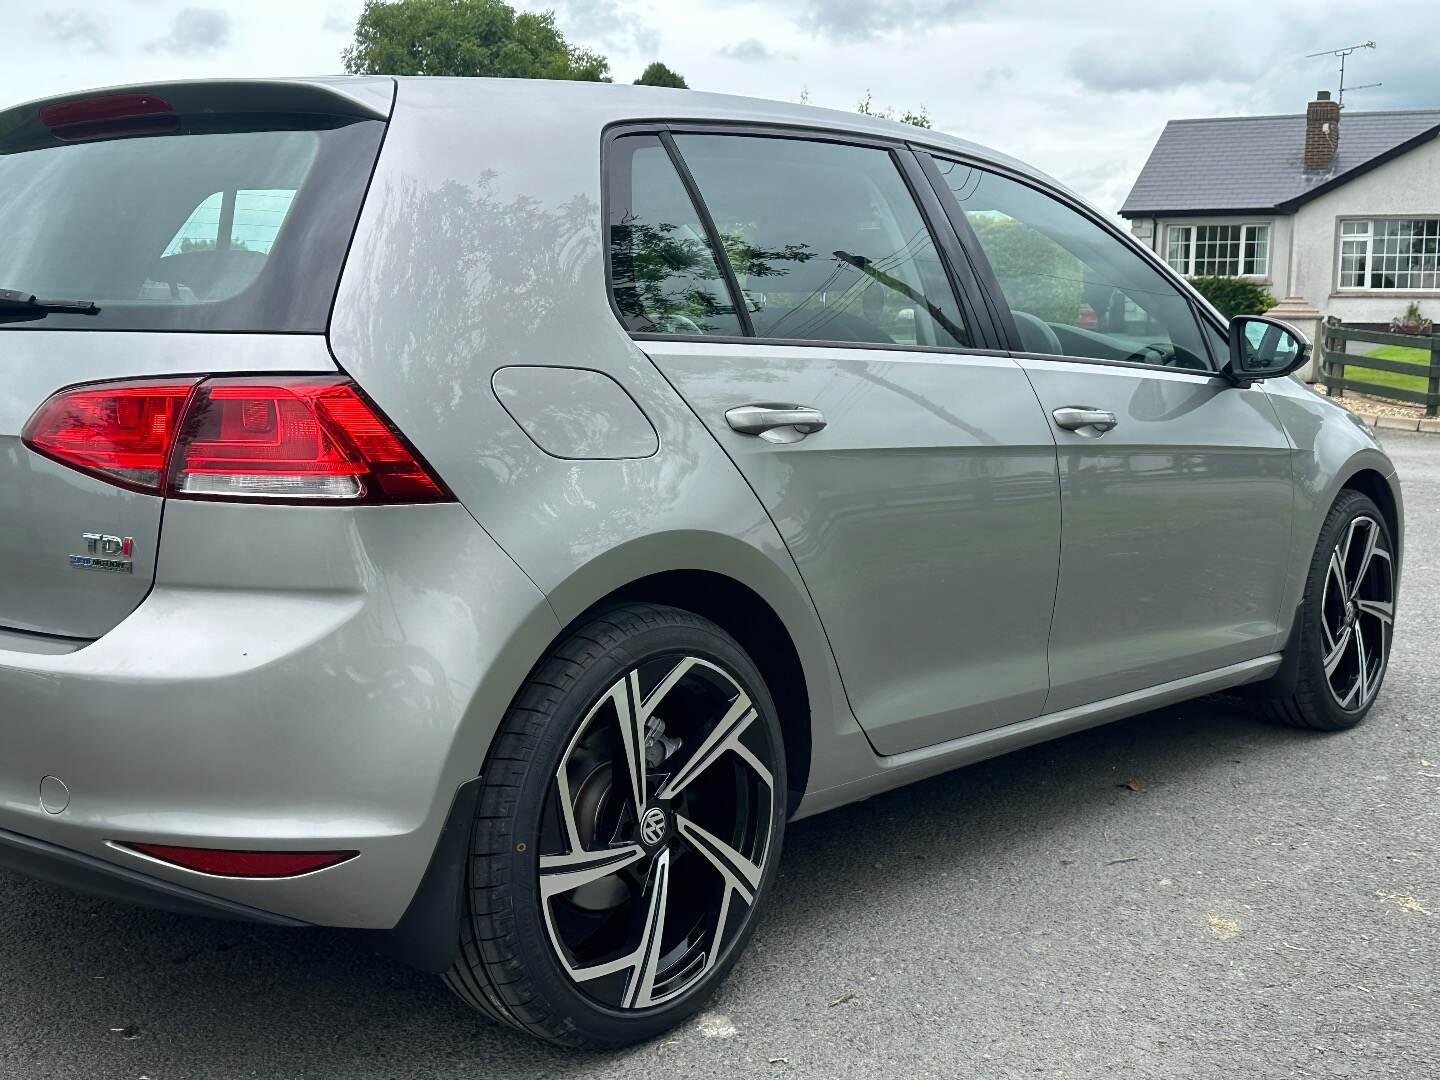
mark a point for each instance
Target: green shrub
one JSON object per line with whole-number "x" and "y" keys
{"x": 1235, "y": 296}
{"x": 1036, "y": 274}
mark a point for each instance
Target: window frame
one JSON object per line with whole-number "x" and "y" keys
{"x": 1368, "y": 239}
{"x": 1199, "y": 309}
{"x": 1247, "y": 233}
{"x": 969, "y": 295}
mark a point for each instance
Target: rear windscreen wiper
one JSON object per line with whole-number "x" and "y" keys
{"x": 12, "y": 300}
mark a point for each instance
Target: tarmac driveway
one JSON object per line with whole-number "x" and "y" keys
{"x": 1189, "y": 893}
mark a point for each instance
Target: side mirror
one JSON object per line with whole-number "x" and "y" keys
{"x": 1262, "y": 348}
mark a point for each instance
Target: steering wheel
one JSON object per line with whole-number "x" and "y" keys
{"x": 1035, "y": 334}
{"x": 677, "y": 324}
{"x": 1161, "y": 351}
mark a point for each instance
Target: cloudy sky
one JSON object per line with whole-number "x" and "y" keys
{"x": 1079, "y": 89}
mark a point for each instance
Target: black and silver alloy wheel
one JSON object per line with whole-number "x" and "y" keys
{"x": 1339, "y": 645}
{"x": 657, "y": 833}
{"x": 630, "y": 821}
{"x": 1357, "y": 611}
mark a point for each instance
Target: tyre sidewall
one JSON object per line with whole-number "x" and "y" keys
{"x": 1326, "y": 712}
{"x": 593, "y": 1022}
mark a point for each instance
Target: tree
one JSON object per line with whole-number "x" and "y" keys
{"x": 657, "y": 74}
{"x": 917, "y": 119}
{"x": 466, "y": 37}
{"x": 1036, "y": 274}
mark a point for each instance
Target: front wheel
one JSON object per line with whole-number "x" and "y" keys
{"x": 630, "y": 822}
{"x": 1346, "y": 623}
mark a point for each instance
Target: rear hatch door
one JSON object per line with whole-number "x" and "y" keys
{"x": 207, "y": 223}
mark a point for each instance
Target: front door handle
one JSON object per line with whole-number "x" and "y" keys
{"x": 1075, "y": 417}
{"x": 775, "y": 423}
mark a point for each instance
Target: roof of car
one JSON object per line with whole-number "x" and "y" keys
{"x": 615, "y": 102}
{"x": 621, "y": 102}
{"x": 1242, "y": 163}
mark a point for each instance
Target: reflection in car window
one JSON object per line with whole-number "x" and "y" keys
{"x": 160, "y": 223}
{"x": 1073, "y": 288}
{"x": 256, "y": 218}
{"x": 663, "y": 273}
{"x": 1268, "y": 347}
{"x": 825, "y": 239}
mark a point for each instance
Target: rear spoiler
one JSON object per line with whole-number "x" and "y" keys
{"x": 370, "y": 97}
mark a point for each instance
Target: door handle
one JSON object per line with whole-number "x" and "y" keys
{"x": 775, "y": 423}
{"x": 1075, "y": 417}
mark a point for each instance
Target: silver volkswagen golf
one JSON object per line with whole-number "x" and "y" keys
{"x": 487, "y": 512}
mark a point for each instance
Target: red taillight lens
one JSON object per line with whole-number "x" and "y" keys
{"x": 300, "y": 438}
{"x": 120, "y": 433}
{"x": 294, "y": 438}
{"x": 248, "y": 864}
{"x": 104, "y": 107}
{"x": 109, "y": 116}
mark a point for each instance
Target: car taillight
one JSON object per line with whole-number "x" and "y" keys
{"x": 121, "y": 433}
{"x": 104, "y": 107}
{"x": 109, "y": 116}
{"x": 287, "y": 438}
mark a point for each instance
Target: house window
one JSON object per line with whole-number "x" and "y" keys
{"x": 1218, "y": 250}
{"x": 1390, "y": 253}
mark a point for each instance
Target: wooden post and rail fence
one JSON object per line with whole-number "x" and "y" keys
{"x": 1334, "y": 360}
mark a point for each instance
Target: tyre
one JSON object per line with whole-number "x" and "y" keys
{"x": 628, "y": 830}
{"x": 1341, "y": 643}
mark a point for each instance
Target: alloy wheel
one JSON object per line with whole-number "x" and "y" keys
{"x": 1357, "y": 613}
{"x": 656, "y": 831}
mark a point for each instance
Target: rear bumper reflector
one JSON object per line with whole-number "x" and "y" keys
{"x": 244, "y": 864}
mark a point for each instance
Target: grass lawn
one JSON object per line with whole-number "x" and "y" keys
{"x": 1394, "y": 378}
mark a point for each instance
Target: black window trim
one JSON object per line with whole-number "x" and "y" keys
{"x": 996, "y": 296}
{"x": 968, "y": 296}
{"x": 712, "y": 234}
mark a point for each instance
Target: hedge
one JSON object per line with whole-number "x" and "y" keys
{"x": 1235, "y": 296}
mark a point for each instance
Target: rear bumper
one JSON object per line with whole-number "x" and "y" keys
{"x": 83, "y": 873}
{"x": 299, "y": 679}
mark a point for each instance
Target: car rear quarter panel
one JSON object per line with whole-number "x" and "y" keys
{"x": 479, "y": 248}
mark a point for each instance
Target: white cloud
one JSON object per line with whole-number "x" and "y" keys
{"x": 751, "y": 50}
{"x": 1081, "y": 91}
{"x": 78, "y": 30}
{"x": 863, "y": 20}
{"x": 196, "y": 30}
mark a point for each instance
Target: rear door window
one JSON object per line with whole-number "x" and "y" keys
{"x": 825, "y": 239}
{"x": 819, "y": 241}
{"x": 213, "y": 226}
{"x": 663, "y": 272}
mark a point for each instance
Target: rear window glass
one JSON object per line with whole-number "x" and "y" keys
{"x": 196, "y": 230}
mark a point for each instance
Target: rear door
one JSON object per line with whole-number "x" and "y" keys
{"x": 1175, "y": 485}
{"x": 924, "y": 514}
{"x": 194, "y": 224}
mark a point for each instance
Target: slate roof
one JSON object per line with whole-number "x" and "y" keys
{"x": 1234, "y": 163}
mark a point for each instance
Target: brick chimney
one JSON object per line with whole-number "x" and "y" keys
{"x": 1322, "y": 131}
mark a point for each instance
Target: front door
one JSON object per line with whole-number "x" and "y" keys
{"x": 1175, "y": 486}
{"x": 924, "y": 514}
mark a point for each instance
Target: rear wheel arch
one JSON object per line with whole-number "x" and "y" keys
{"x": 746, "y": 615}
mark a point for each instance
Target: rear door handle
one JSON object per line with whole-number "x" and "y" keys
{"x": 1075, "y": 417}
{"x": 775, "y": 423}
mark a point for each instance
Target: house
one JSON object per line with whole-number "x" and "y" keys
{"x": 1337, "y": 213}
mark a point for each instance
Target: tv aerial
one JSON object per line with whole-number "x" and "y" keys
{"x": 1342, "y": 54}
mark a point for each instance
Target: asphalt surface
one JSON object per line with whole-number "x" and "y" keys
{"x": 1266, "y": 905}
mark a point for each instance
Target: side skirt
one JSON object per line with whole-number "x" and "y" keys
{"x": 900, "y": 769}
